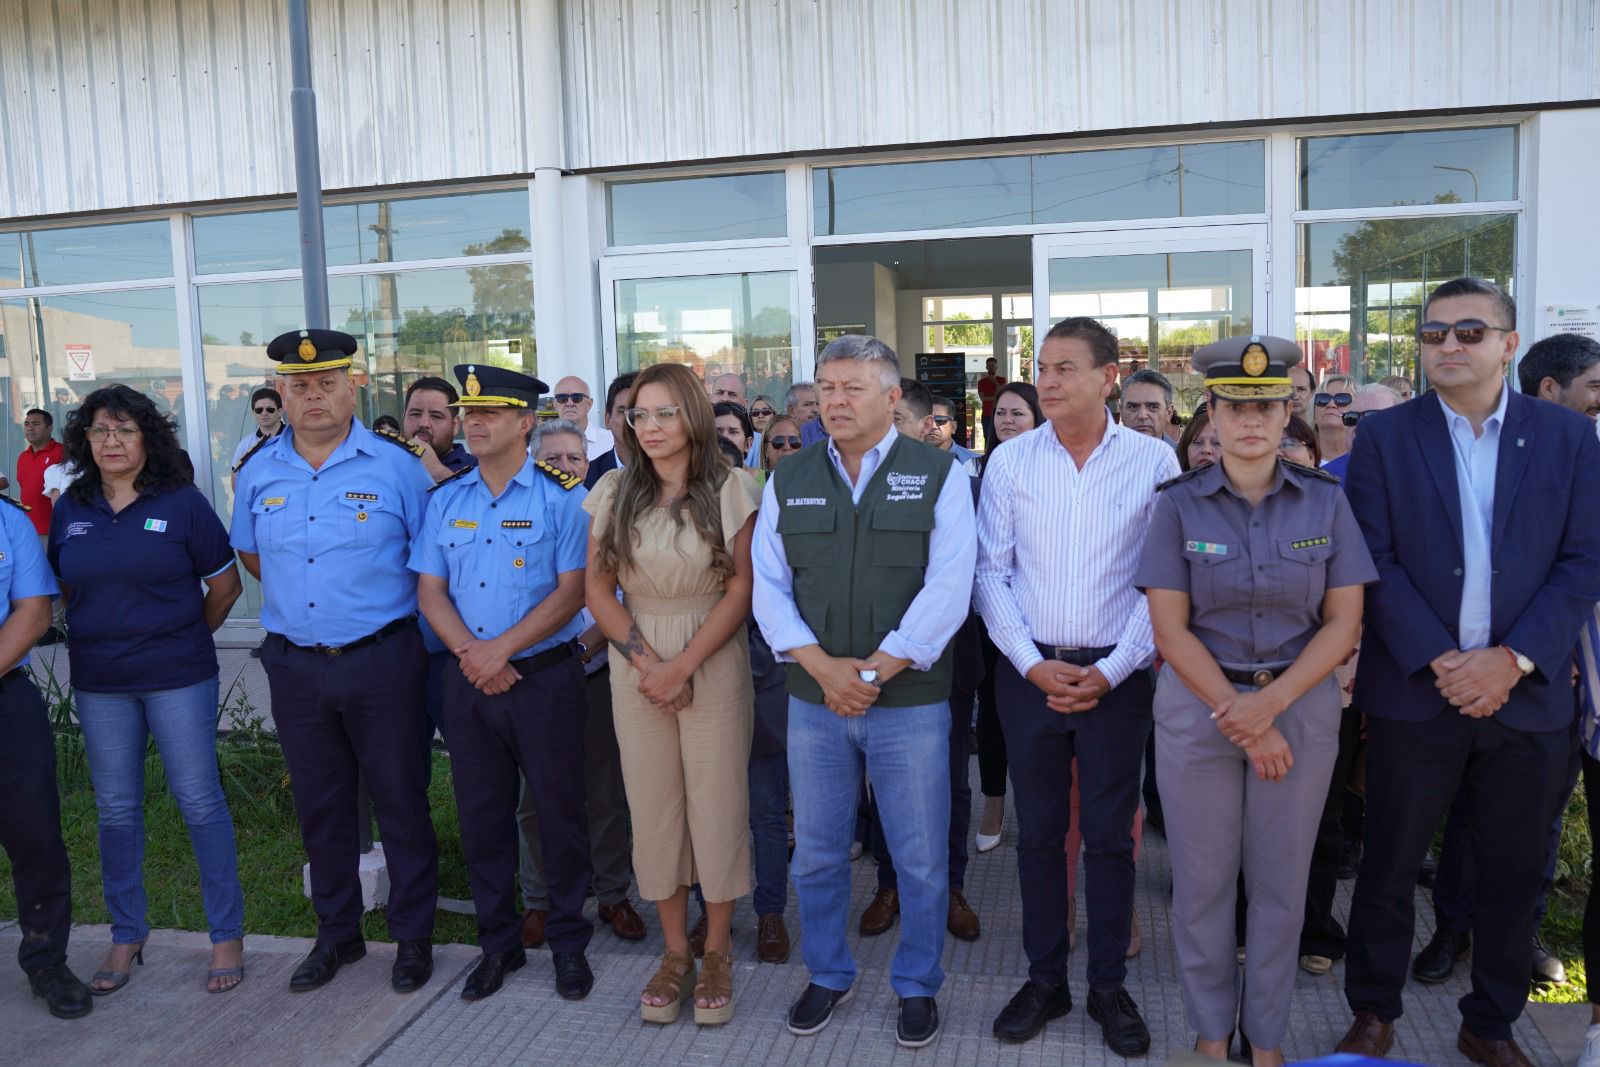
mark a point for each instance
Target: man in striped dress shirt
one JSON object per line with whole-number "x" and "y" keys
{"x": 1060, "y": 528}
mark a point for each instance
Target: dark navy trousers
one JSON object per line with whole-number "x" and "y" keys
{"x": 30, "y": 825}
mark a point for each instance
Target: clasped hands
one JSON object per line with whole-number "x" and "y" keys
{"x": 1246, "y": 719}
{"x": 1478, "y": 682}
{"x": 487, "y": 666}
{"x": 1067, "y": 687}
{"x": 843, "y": 691}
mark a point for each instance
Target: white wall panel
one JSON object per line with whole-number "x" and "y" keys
{"x": 660, "y": 81}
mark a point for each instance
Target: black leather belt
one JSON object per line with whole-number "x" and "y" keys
{"x": 361, "y": 642}
{"x": 1082, "y": 657}
{"x": 548, "y": 658}
{"x": 1260, "y": 677}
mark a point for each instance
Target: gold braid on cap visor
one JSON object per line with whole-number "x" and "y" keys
{"x": 340, "y": 362}
{"x": 489, "y": 401}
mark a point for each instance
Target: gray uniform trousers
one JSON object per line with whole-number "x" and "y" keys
{"x": 1221, "y": 816}
{"x": 610, "y": 854}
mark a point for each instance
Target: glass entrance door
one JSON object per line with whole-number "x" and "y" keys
{"x": 1163, "y": 292}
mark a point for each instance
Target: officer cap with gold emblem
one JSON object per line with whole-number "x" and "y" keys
{"x": 485, "y": 386}
{"x": 1248, "y": 368}
{"x": 305, "y": 351}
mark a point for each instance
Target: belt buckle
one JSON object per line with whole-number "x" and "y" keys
{"x": 1262, "y": 678}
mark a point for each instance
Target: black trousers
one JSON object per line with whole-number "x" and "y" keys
{"x": 960, "y": 803}
{"x": 1322, "y": 934}
{"x": 359, "y": 712}
{"x": 1040, "y": 745}
{"x": 30, "y": 825}
{"x": 991, "y": 739}
{"x": 1414, "y": 770}
{"x": 535, "y": 728}
{"x": 1591, "y": 909}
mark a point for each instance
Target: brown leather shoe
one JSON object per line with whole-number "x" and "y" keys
{"x": 625, "y": 922}
{"x": 1368, "y": 1036}
{"x": 772, "y": 939}
{"x": 533, "y": 928}
{"x": 880, "y": 914}
{"x": 697, "y": 938}
{"x": 1487, "y": 1051}
{"x": 962, "y": 921}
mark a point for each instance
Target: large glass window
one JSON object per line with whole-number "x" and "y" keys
{"x": 1416, "y": 167}
{"x": 82, "y": 255}
{"x": 722, "y": 207}
{"x": 1361, "y": 285}
{"x": 714, "y": 324}
{"x": 380, "y": 231}
{"x": 1163, "y": 181}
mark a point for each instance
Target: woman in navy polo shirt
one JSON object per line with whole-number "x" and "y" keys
{"x": 132, "y": 541}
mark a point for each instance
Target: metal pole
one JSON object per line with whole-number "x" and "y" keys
{"x": 307, "y": 170}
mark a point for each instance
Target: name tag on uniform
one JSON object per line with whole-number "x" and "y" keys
{"x": 1308, "y": 542}
{"x": 273, "y": 502}
{"x": 804, "y": 501}
{"x": 156, "y": 525}
{"x": 1209, "y": 548}
{"x": 516, "y": 524}
{"x": 371, "y": 497}
{"x": 463, "y": 524}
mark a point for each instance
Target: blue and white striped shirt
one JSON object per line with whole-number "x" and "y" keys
{"x": 1057, "y": 546}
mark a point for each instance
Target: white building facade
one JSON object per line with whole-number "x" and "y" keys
{"x": 587, "y": 186}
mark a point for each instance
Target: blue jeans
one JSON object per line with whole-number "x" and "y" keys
{"x": 907, "y": 759}
{"x": 184, "y": 723}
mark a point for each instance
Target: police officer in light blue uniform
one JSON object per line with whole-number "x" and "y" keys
{"x": 501, "y": 564}
{"x": 30, "y": 818}
{"x": 323, "y": 515}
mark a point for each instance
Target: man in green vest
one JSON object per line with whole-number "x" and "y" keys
{"x": 864, "y": 554}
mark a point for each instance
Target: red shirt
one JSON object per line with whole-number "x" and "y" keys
{"x": 988, "y": 388}
{"x": 30, "y": 480}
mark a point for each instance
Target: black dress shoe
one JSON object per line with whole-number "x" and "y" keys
{"x": 1435, "y": 962}
{"x": 1034, "y": 1005}
{"x": 573, "y": 977}
{"x": 413, "y": 966}
{"x": 815, "y": 1007}
{"x": 919, "y": 1022}
{"x": 1547, "y": 969}
{"x": 1120, "y": 1022}
{"x": 324, "y": 962}
{"x": 66, "y": 995}
{"x": 490, "y": 973}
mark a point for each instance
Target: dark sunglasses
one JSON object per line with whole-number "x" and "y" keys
{"x": 266, "y": 411}
{"x": 760, "y": 413}
{"x": 570, "y": 398}
{"x": 1468, "y": 331}
{"x": 1352, "y": 417}
{"x": 784, "y": 442}
{"x": 1343, "y": 400}
{"x": 942, "y": 419}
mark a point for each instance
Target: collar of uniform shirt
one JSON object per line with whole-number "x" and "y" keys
{"x": 1216, "y": 480}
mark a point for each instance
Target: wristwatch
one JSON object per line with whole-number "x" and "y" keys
{"x": 869, "y": 676}
{"x": 1524, "y": 664}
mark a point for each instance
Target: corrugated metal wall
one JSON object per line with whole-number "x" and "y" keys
{"x": 670, "y": 80}
{"x": 129, "y": 103}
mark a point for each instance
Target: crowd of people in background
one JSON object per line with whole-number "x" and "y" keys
{"x": 705, "y": 644}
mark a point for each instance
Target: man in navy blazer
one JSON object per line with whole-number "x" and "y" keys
{"x": 1477, "y": 504}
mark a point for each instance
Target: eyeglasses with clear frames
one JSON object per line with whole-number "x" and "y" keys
{"x": 98, "y": 434}
{"x": 663, "y": 416}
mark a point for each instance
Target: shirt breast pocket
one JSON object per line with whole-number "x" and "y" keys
{"x": 368, "y": 519}
{"x": 525, "y": 553}
{"x": 900, "y": 538}
{"x": 807, "y": 533}
{"x": 1214, "y": 571}
{"x": 1303, "y": 570}
{"x": 270, "y": 518}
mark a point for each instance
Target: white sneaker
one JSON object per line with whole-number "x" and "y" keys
{"x": 1591, "y": 1047}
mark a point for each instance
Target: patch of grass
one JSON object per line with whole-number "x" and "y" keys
{"x": 256, "y": 784}
{"x": 1563, "y": 925}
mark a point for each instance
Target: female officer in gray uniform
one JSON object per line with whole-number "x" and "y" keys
{"x": 1253, "y": 569}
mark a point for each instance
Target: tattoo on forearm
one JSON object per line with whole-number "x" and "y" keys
{"x": 634, "y": 646}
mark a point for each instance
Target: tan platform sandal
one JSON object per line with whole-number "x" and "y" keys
{"x": 716, "y": 980}
{"x": 674, "y": 979}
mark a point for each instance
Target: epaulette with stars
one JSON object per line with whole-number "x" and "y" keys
{"x": 1193, "y": 472}
{"x": 15, "y": 503}
{"x": 393, "y": 437}
{"x": 1310, "y": 472}
{"x": 462, "y": 473}
{"x": 565, "y": 481}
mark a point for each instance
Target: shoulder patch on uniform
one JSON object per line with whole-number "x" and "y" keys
{"x": 565, "y": 481}
{"x": 462, "y": 473}
{"x": 257, "y": 447}
{"x": 394, "y": 438}
{"x": 1184, "y": 477}
{"x": 15, "y": 503}
{"x": 1311, "y": 472}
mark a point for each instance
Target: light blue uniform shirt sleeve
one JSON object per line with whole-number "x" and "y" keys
{"x": 242, "y": 529}
{"x": 572, "y": 537}
{"x": 30, "y": 571}
{"x": 414, "y": 481}
{"x": 426, "y": 555}
{"x": 941, "y": 606}
{"x": 773, "y": 596}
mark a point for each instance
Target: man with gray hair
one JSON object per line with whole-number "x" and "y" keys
{"x": 863, "y": 555}
{"x": 1369, "y": 398}
{"x": 800, "y": 404}
{"x": 1147, "y": 406}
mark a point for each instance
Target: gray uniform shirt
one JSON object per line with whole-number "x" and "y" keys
{"x": 1255, "y": 576}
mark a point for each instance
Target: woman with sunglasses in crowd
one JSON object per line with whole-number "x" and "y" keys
{"x": 782, "y": 439}
{"x": 761, "y": 413}
{"x": 1338, "y": 392}
{"x": 673, "y": 529}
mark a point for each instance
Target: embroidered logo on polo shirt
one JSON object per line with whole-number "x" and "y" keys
{"x": 905, "y": 486}
{"x": 516, "y": 524}
{"x": 156, "y": 525}
{"x": 1309, "y": 542}
{"x": 804, "y": 501}
{"x": 1209, "y": 548}
{"x": 75, "y": 529}
{"x": 463, "y": 524}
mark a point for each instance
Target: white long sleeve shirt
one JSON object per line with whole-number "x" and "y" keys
{"x": 1057, "y": 546}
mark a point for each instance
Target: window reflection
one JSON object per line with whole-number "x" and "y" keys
{"x": 1417, "y": 167}
{"x": 722, "y": 207}
{"x": 714, "y": 324}
{"x": 80, "y": 255}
